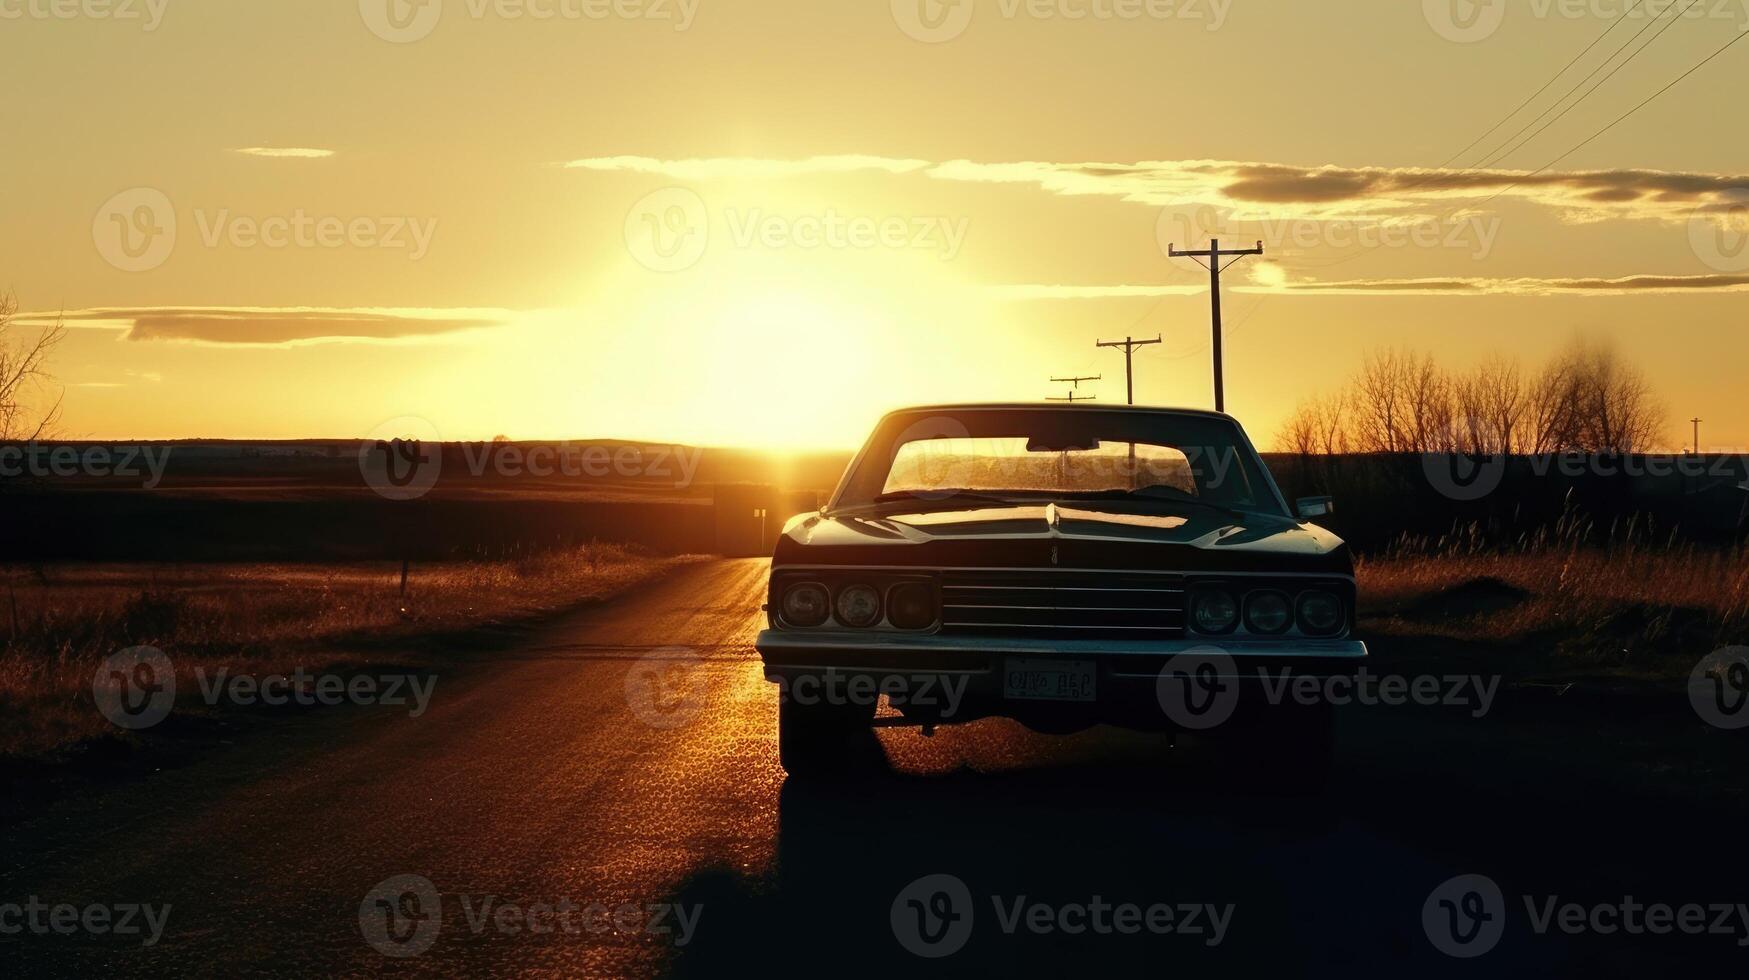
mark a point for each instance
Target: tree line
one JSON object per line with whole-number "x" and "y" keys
{"x": 1586, "y": 399}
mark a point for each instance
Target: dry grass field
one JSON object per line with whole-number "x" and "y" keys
{"x": 1634, "y": 608}
{"x": 58, "y": 621}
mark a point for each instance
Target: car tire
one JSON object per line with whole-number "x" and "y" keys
{"x": 823, "y": 741}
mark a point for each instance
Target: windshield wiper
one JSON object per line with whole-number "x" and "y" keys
{"x": 1158, "y": 491}
{"x": 942, "y": 496}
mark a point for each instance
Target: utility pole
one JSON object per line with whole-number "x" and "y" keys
{"x": 1697, "y": 422}
{"x": 1214, "y": 254}
{"x": 1077, "y": 381}
{"x": 1072, "y": 397}
{"x": 1129, "y": 345}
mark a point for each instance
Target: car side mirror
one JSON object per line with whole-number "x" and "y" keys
{"x": 1315, "y": 506}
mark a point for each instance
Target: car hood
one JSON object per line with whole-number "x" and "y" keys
{"x": 1078, "y": 535}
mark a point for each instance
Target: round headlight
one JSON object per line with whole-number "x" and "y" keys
{"x": 805, "y": 604}
{"x": 1213, "y": 611}
{"x": 911, "y": 606}
{"x": 858, "y": 605}
{"x": 1267, "y": 612}
{"x": 1320, "y": 612}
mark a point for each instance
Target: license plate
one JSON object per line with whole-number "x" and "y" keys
{"x": 1049, "y": 680}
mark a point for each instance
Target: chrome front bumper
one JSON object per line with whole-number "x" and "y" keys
{"x": 796, "y": 650}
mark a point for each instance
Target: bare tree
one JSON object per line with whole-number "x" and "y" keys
{"x": 1381, "y": 409}
{"x": 1333, "y": 418}
{"x": 1503, "y": 403}
{"x": 24, "y": 378}
{"x": 1299, "y": 434}
{"x": 1429, "y": 397}
{"x": 1621, "y": 416}
{"x": 1589, "y": 400}
{"x": 1552, "y": 410}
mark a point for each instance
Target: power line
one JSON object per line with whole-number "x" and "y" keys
{"x": 1623, "y": 117}
{"x": 1557, "y": 76}
{"x": 1562, "y": 114}
{"x": 1129, "y": 345}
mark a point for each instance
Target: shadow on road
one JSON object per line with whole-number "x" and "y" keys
{"x": 1334, "y": 882}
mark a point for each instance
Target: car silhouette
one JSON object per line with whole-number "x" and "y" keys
{"x": 1063, "y": 566}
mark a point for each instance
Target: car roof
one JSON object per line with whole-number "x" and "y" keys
{"x": 1059, "y": 407}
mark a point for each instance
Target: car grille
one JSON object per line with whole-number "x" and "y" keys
{"x": 1063, "y": 604}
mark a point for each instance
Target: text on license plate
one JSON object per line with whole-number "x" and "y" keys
{"x": 1049, "y": 680}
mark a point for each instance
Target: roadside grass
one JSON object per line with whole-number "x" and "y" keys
{"x": 58, "y": 621}
{"x": 1634, "y": 606}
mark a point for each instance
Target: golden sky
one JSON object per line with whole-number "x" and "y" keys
{"x": 762, "y": 222}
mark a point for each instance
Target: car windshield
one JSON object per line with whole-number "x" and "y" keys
{"x": 1077, "y": 454}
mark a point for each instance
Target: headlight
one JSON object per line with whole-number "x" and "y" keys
{"x": 805, "y": 604}
{"x": 1213, "y": 611}
{"x": 1320, "y": 612}
{"x": 1267, "y": 612}
{"x": 858, "y": 605}
{"x": 911, "y": 605}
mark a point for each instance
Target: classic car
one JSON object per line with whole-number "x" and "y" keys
{"x": 1063, "y": 566}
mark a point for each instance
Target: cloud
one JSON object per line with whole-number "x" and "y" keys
{"x": 256, "y": 326}
{"x": 1021, "y": 293}
{"x": 1456, "y": 286}
{"x": 716, "y": 168}
{"x": 1520, "y": 286}
{"x": 285, "y": 152}
{"x": 1265, "y": 191}
{"x": 1260, "y": 191}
